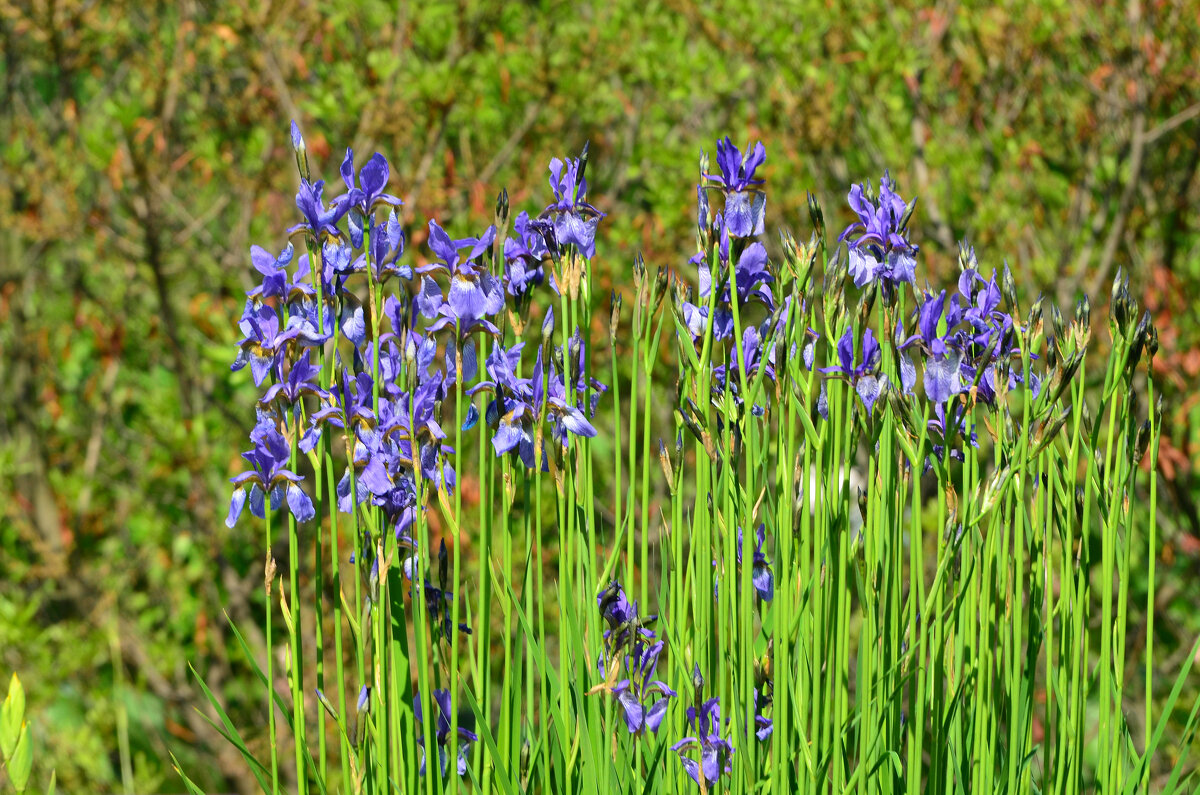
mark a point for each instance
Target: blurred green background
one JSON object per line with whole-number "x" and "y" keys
{"x": 145, "y": 148}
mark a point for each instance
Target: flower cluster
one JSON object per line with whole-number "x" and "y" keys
{"x": 389, "y": 376}
{"x": 389, "y": 403}
{"x": 704, "y": 720}
{"x": 630, "y": 647}
{"x": 393, "y": 378}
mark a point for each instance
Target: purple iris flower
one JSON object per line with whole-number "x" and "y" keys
{"x": 442, "y": 735}
{"x": 990, "y": 340}
{"x": 744, "y": 205}
{"x": 625, "y": 627}
{"x": 372, "y": 181}
{"x": 575, "y": 220}
{"x": 474, "y": 295}
{"x": 751, "y": 277}
{"x": 631, "y": 647}
{"x": 524, "y": 252}
{"x": 715, "y": 752}
{"x": 755, "y": 354}
{"x": 319, "y": 220}
{"x": 262, "y": 344}
{"x": 865, "y": 377}
{"x": 761, "y": 576}
{"x": 948, "y": 420}
{"x": 519, "y": 403}
{"x": 438, "y": 599}
{"x": 880, "y": 250}
{"x": 943, "y": 363}
{"x": 269, "y": 459}
{"x": 763, "y": 726}
{"x": 304, "y": 327}
{"x": 273, "y": 270}
{"x": 643, "y": 699}
{"x": 351, "y": 402}
{"x": 301, "y": 381}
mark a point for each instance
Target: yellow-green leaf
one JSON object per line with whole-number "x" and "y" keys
{"x": 21, "y": 762}
{"x": 12, "y": 717}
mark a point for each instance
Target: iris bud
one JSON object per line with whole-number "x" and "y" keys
{"x": 816, "y": 215}
{"x": 1008, "y": 285}
{"x": 614, "y": 319}
{"x": 502, "y": 208}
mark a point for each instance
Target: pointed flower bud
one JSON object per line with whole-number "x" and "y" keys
{"x": 301, "y": 151}
{"x": 816, "y": 215}
{"x": 614, "y": 320}
{"x": 1008, "y": 286}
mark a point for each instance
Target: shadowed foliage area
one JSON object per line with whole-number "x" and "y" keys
{"x": 145, "y": 148}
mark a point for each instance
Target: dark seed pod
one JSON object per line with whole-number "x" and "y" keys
{"x": 1140, "y": 335}
{"x": 1052, "y": 357}
{"x": 609, "y": 596}
{"x": 583, "y": 161}
{"x": 443, "y": 565}
{"x": 908, "y": 214}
